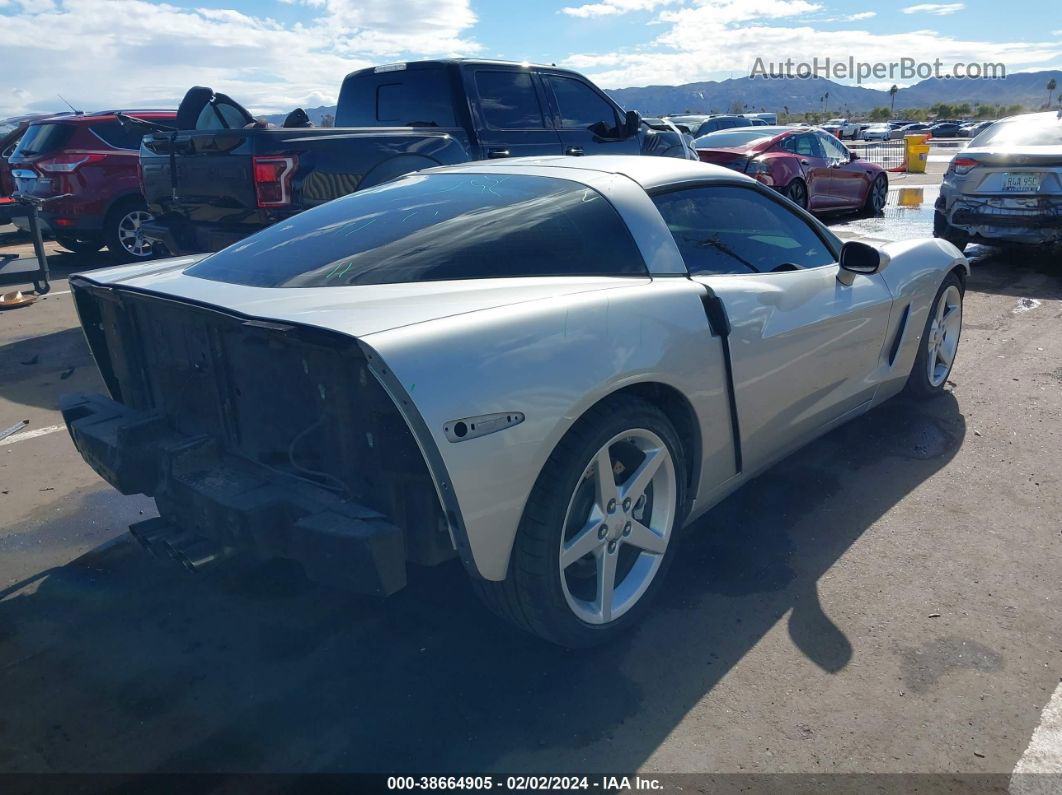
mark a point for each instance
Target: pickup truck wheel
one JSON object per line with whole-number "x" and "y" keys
{"x": 939, "y": 343}
{"x": 597, "y": 534}
{"x": 123, "y": 232}
{"x": 79, "y": 246}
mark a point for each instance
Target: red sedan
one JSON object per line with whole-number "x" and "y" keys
{"x": 809, "y": 166}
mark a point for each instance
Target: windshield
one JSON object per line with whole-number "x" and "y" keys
{"x": 1043, "y": 131}
{"x": 42, "y": 138}
{"x": 739, "y": 137}
{"x": 437, "y": 227}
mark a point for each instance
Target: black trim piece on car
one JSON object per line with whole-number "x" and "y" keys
{"x": 719, "y": 325}
{"x": 895, "y": 349}
{"x": 430, "y": 451}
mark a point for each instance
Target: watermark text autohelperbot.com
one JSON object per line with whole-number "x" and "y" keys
{"x": 851, "y": 69}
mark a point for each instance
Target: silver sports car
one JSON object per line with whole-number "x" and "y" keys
{"x": 545, "y": 367}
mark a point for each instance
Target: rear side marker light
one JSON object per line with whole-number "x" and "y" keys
{"x": 272, "y": 179}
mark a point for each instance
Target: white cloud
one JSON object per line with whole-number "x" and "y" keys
{"x": 158, "y": 51}
{"x": 690, "y": 51}
{"x": 938, "y": 9}
{"x": 860, "y": 15}
{"x": 613, "y": 7}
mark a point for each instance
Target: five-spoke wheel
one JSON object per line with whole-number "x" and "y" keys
{"x": 617, "y": 527}
{"x": 597, "y": 534}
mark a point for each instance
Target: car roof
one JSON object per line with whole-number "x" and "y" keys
{"x": 647, "y": 171}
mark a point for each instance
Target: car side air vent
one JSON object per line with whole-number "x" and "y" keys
{"x": 472, "y": 427}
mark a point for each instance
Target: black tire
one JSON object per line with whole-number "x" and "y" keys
{"x": 797, "y": 192}
{"x": 918, "y": 383}
{"x": 945, "y": 231}
{"x": 80, "y": 246}
{"x": 877, "y": 195}
{"x": 532, "y": 596}
{"x": 116, "y": 227}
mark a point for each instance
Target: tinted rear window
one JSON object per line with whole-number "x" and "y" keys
{"x": 41, "y": 139}
{"x": 508, "y": 100}
{"x": 114, "y": 134}
{"x": 433, "y": 227}
{"x": 403, "y": 98}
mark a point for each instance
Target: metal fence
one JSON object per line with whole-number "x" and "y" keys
{"x": 887, "y": 154}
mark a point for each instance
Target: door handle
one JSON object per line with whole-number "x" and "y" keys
{"x": 494, "y": 154}
{"x": 805, "y": 163}
{"x": 574, "y": 151}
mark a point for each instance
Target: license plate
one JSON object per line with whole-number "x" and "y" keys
{"x": 1021, "y": 182}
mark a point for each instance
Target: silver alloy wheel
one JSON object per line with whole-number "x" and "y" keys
{"x": 617, "y": 526}
{"x": 131, "y": 234}
{"x": 942, "y": 341}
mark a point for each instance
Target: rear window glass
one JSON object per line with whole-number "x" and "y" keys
{"x": 40, "y": 139}
{"x": 433, "y": 227}
{"x": 508, "y": 101}
{"x": 1023, "y": 132}
{"x": 119, "y": 137}
{"x": 740, "y": 137}
{"x": 402, "y": 98}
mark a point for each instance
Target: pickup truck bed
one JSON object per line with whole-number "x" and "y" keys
{"x": 203, "y": 186}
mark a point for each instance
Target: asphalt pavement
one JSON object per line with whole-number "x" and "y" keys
{"x": 883, "y": 601}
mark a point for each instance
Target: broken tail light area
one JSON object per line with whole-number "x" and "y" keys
{"x": 272, "y": 179}
{"x": 962, "y": 165}
{"x": 68, "y": 163}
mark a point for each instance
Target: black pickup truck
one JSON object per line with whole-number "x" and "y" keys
{"x": 213, "y": 185}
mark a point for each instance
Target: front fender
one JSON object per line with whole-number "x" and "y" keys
{"x": 550, "y": 360}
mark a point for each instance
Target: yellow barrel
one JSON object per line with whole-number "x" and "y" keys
{"x": 916, "y": 153}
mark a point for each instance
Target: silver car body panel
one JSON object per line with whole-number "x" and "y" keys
{"x": 807, "y": 351}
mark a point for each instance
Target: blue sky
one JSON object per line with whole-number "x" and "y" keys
{"x": 276, "y": 54}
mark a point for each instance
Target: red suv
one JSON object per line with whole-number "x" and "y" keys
{"x": 92, "y": 161}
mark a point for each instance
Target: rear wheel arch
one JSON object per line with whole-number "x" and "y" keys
{"x": 679, "y": 411}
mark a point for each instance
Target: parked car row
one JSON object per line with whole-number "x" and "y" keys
{"x": 209, "y": 174}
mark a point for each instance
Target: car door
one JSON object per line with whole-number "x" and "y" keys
{"x": 816, "y": 169}
{"x": 511, "y": 117}
{"x": 805, "y": 348}
{"x": 848, "y": 181}
{"x": 587, "y": 122}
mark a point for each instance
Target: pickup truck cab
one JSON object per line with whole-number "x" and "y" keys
{"x": 843, "y": 128}
{"x": 213, "y": 185}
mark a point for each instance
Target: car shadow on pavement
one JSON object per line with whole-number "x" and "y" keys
{"x": 1022, "y": 271}
{"x": 117, "y": 662}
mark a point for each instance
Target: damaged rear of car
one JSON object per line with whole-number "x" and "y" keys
{"x": 246, "y": 396}
{"x": 1006, "y": 187}
{"x": 265, "y": 437}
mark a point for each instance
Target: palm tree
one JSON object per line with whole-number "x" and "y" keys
{"x": 1051, "y": 86}
{"x": 892, "y": 94}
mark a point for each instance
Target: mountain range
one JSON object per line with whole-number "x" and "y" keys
{"x": 800, "y": 96}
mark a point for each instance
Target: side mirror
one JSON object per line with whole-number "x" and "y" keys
{"x": 633, "y": 122}
{"x": 861, "y": 258}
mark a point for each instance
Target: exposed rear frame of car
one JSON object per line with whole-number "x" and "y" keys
{"x": 140, "y": 450}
